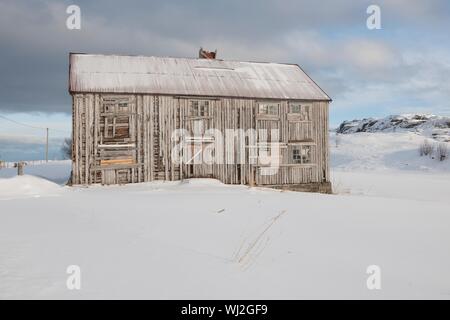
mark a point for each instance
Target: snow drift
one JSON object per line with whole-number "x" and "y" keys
{"x": 27, "y": 186}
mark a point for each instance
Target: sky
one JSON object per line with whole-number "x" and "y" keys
{"x": 403, "y": 67}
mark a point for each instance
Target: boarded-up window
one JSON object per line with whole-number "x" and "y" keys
{"x": 115, "y": 117}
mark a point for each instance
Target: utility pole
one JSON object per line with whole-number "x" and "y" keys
{"x": 46, "y": 148}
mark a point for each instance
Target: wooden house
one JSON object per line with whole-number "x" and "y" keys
{"x": 127, "y": 108}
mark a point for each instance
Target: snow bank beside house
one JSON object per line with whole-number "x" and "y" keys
{"x": 27, "y": 186}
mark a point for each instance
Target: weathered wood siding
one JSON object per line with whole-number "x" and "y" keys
{"x": 131, "y": 139}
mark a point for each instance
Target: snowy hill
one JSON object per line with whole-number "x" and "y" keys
{"x": 436, "y": 127}
{"x": 383, "y": 151}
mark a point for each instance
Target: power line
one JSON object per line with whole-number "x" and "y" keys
{"x": 31, "y": 126}
{"x": 20, "y": 123}
{"x": 35, "y": 127}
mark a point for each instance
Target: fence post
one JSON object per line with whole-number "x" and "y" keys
{"x": 46, "y": 147}
{"x": 20, "y": 166}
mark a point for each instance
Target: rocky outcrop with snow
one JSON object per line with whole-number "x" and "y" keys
{"x": 436, "y": 127}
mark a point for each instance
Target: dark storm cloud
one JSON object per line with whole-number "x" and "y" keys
{"x": 328, "y": 38}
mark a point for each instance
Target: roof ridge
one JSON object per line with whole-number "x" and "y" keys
{"x": 172, "y": 57}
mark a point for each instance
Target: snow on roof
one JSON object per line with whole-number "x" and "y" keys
{"x": 182, "y": 76}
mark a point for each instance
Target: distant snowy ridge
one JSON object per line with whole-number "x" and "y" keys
{"x": 436, "y": 127}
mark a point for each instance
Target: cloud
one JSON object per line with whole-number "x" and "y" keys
{"x": 357, "y": 67}
{"x": 354, "y": 53}
{"x": 368, "y": 55}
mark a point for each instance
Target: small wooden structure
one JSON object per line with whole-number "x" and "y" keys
{"x": 127, "y": 108}
{"x": 20, "y": 165}
{"x": 203, "y": 54}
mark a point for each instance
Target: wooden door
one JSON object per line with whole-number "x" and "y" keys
{"x": 116, "y": 143}
{"x": 197, "y": 123}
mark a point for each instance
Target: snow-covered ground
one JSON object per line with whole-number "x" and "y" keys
{"x": 203, "y": 239}
{"x": 387, "y": 165}
{"x": 383, "y": 152}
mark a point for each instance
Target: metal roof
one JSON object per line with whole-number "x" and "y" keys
{"x": 183, "y": 76}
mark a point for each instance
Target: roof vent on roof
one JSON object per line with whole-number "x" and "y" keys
{"x": 203, "y": 54}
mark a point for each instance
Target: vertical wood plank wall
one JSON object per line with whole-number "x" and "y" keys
{"x": 153, "y": 119}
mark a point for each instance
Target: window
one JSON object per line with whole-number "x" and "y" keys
{"x": 306, "y": 154}
{"x": 199, "y": 108}
{"x": 123, "y": 107}
{"x": 114, "y": 118}
{"x": 296, "y": 158}
{"x": 301, "y": 154}
{"x": 296, "y": 108}
{"x": 115, "y": 105}
{"x": 301, "y": 110}
{"x": 268, "y": 109}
